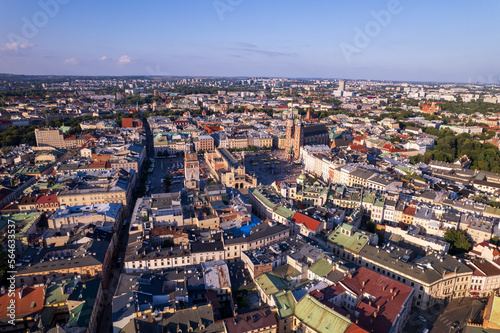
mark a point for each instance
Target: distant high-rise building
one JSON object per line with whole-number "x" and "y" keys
{"x": 341, "y": 85}
{"x": 51, "y": 137}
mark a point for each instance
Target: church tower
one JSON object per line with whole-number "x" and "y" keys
{"x": 289, "y": 137}
{"x": 191, "y": 171}
{"x": 298, "y": 140}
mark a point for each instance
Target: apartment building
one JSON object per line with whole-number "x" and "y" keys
{"x": 51, "y": 137}
{"x": 89, "y": 260}
{"x": 229, "y": 170}
{"x": 436, "y": 278}
{"x": 263, "y": 234}
{"x": 90, "y": 196}
{"x": 116, "y": 190}
{"x": 204, "y": 142}
{"x": 485, "y": 278}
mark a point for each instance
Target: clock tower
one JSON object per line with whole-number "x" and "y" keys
{"x": 191, "y": 171}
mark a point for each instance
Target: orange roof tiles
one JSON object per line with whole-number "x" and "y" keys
{"x": 410, "y": 211}
{"x": 30, "y": 303}
{"x": 354, "y": 146}
{"x": 46, "y": 199}
{"x": 355, "y": 329}
{"x": 389, "y": 297}
{"x": 309, "y": 222}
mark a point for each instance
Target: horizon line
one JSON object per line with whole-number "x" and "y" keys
{"x": 248, "y": 77}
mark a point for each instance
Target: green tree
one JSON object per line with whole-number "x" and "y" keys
{"x": 459, "y": 241}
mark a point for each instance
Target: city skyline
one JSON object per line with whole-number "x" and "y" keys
{"x": 385, "y": 40}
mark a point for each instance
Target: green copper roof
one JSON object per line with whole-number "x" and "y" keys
{"x": 353, "y": 243}
{"x": 495, "y": 311}
{"x": 86, "y": 293}
{"x": 270, "y": 283}
{"x": 285, "y": 303}
{"x": 319, "y": 317}
{"x": 284, "y": 212}
{"x": 322, "y": 267}
{"x": 262, "y": 198}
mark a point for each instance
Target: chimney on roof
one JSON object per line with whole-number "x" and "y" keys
{"x": 378, "y": 307}
{"x": 375, "y": 314}
{"x": 364, "y": 283}
{"x": 370, "y": 303}
{"x": 384, "y": 287}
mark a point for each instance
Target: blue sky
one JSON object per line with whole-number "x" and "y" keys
{"x": 412, "y": 40}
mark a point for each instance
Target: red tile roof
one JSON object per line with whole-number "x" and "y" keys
{"x": 46, "y": 199}
{"x": 359, "y": 138}
{"x": 30, "y": 303}
{"x": 354, "y": 146}
{"x": 97, "y": 164}
{"x": 389, "y": 298}
{"x": 390, "y": 148}
{"x": 127, "y": 123}
{"x": 309, "y": 222}
{"x": 355, "y": 329}
{"x": 258, "y": 320}
{"x": 409, "y": 211}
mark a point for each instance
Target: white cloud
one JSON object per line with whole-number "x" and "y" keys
{"x": 15, "y": 46}
{"x": 103, "y": 58}
{"x": 71, "y": 61}
{"x": 124, "y": 59}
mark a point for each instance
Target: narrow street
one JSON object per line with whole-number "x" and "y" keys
{"x": 106, "y": 324}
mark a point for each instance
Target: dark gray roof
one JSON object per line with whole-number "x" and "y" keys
{"x": 83, "y": 255}
{"x": 257, "y": 232}
{"x": 364, "y": 174}
{"x": 183, "y": 320}
{"x": 207, "y": 246}
{"x": 310, "y": 130}
{"x": 426, "y": 270}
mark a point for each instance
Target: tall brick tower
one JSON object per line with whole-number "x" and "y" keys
{"x": 191, "y": 171}
{"x": 289, "y": 137}
{"x": 298, "y": 140}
